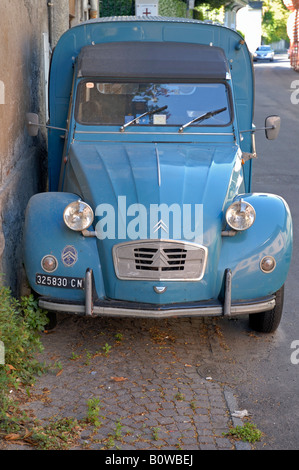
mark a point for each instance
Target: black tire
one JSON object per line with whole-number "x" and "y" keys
{"x": 52, "y": 321}
{"x": 268, "y": 322}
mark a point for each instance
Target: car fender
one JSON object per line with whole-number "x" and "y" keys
{"x": 270, "y": 235}
{"x": 46, "y": 233}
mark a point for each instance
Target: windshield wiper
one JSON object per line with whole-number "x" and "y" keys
{"x": 203, "y": 117}
{"x": 148, "y": 113}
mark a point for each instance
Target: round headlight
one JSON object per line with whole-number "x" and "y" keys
{"x": 78, "y": 215}
{"x": 240, "y": 215}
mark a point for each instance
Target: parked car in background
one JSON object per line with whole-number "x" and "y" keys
{"x": 263, "y": 53}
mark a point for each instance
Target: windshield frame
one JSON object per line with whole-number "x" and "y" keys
{"x": 145, "y": 126}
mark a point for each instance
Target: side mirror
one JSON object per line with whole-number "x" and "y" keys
{"x": 272, "y": 127}
{"x": 32, "y": 124}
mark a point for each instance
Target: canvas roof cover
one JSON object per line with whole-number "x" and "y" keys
{"x": 146, "y": 60}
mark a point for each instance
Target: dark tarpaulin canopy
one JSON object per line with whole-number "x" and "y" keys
{"x": 160, "y": 60}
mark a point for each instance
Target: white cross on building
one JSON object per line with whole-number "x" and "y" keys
{"x": 144, "y": 8}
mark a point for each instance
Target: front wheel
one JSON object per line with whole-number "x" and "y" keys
{"x": 268, "y": 322}
{"x": 52, "y": 321}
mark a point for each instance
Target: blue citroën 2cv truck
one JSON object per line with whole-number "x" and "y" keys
{"x": 149, "y": 211}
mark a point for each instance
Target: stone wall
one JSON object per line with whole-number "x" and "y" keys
{"x": 22, "y": 89}
{"x": 22, "y": 159}
{"x": 29, "y": 30}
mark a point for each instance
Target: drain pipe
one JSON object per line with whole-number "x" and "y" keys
{"x": 94, "y": 9}
{"x": 50, "y": 21}
{"x": 90, "y": 9}
{"x": 58, "y": 17}
{"x": 85, "y": 12}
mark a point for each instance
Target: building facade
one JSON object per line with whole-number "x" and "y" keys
{"x": 29, "y": 31}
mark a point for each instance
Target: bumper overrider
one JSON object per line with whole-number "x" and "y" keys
{"x": 106, "y": 307}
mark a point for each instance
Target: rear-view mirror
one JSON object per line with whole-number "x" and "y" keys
{"x": 272, "y": 127}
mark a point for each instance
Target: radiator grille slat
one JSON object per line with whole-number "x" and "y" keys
{"x": 159, "y": 260}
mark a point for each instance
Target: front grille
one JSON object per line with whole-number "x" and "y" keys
{"x": 159, "y": 260}
{"x": 153, "y": 259}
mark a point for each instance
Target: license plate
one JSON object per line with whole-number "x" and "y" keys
{"x": 59, "y": 281}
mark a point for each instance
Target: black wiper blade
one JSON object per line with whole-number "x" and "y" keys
{"x": 203, "y": 117}
{"x": 148, "y": 113}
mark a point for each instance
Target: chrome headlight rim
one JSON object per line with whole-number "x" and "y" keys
{"x": 83, "y": 222}
{"x": 240, "y": 205}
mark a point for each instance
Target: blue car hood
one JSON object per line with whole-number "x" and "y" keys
{"x": 150, "y": 174}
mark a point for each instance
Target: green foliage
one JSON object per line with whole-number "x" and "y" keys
{"x": 214, "y": 4}
{"x": 118, "y": 430}
{"x": 274, "y": 22}
{"x": 179, "y": 396}
{"x": 198, "y": 14}
{"x": 172, "y": 8}
{"x": 247, "y": 433}
{"x": 156, "y": 434}
{"x": 57, "y": 435}
{"x": 117, "y": 7}
{"x": 20, "y": 324}
{"x": 93, "y": 410}
{"x": 34, "y": 317}
{"x": 119, "y": 337}
{"x": 176, "y": 8}
{"x": 106, "y": 349}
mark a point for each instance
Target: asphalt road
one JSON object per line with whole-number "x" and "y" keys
{"x": 268, "y": 381}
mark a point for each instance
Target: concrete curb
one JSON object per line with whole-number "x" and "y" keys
{"x": 233, "y": 406}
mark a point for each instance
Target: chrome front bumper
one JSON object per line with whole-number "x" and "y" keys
{"x": 130, "y": 309}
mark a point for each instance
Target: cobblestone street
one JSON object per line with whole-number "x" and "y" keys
{"x": 149, "y": 378}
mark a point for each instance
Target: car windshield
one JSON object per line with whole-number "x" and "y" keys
{"x": 112, "y": 103}
{"x": 264, "y": 48}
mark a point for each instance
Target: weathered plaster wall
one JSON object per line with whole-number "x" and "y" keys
{"x": 58, "y": 19}
{"x": 22, "y": 159}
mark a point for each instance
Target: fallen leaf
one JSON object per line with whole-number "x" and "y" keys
{"x": 10, "y": 368}
{"x": 27, "y": 434}
{"x": 59, "y": 373}
{"x": 12, "y": 437}
{"x": 19, "y": 443}
{"x": 118, "y": 379}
